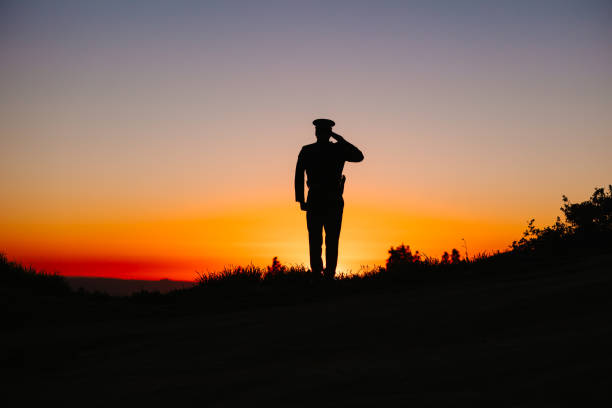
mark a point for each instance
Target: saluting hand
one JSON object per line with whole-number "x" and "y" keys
{"x": 336, "y": 136}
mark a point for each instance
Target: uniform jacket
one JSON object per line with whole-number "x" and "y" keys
{"x": 323, "y": 164}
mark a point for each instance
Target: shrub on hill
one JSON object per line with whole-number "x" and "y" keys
{"x": 588, "y": 225}
{"x": 402, "y": 259}
{"x": 16, "y": 276}
{"x": 248, "y": 276}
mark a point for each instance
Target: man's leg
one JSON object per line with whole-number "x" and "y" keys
{"x": 333, "y": 223}
{"x": 314, "y": 223}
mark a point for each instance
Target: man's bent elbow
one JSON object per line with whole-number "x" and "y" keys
{"x": 357, "y": 158}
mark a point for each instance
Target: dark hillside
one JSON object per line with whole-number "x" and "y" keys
{"x": 528, "y": 339}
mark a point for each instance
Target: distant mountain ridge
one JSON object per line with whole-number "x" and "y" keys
{"x": 125, "y": 287}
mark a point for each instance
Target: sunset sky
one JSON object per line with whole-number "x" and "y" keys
{"x": 151, "y": 139}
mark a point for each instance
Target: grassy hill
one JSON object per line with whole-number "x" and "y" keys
{"x": 537, "y": 337}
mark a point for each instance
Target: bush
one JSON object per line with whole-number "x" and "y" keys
{"x": 402, "y": 257}
{"x": 591, "y": 216}
{"x": 587, "y": 224}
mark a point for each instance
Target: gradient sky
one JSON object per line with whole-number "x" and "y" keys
{"x": 149, "y": 139}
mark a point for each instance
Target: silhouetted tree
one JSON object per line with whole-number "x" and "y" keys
{"x": 588, "y": 224}
{"x": 592, "y": 215}
{"x": 445, "y": 258}
{"x": 276, "y": 268}
{"x": 402, "y": 256}
{"x": 455, "y": 256}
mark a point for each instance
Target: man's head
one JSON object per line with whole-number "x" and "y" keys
{"x": 323, "y": 129}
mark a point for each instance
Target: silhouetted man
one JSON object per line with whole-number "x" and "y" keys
{"x": 323, "y": 162}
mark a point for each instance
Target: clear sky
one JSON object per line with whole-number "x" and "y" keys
{"x": 148, "y": 139}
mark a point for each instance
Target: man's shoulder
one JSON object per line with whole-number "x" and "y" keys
{"x": 308, "y": 148}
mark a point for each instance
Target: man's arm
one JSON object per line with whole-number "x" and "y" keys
{"x": 299, "y": 180}
{"x": 351, "y": 153}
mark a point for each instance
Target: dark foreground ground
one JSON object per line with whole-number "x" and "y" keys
{"x": 538, "y": 338}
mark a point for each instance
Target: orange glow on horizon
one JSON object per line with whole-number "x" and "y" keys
{"x": 177, "y": 247}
